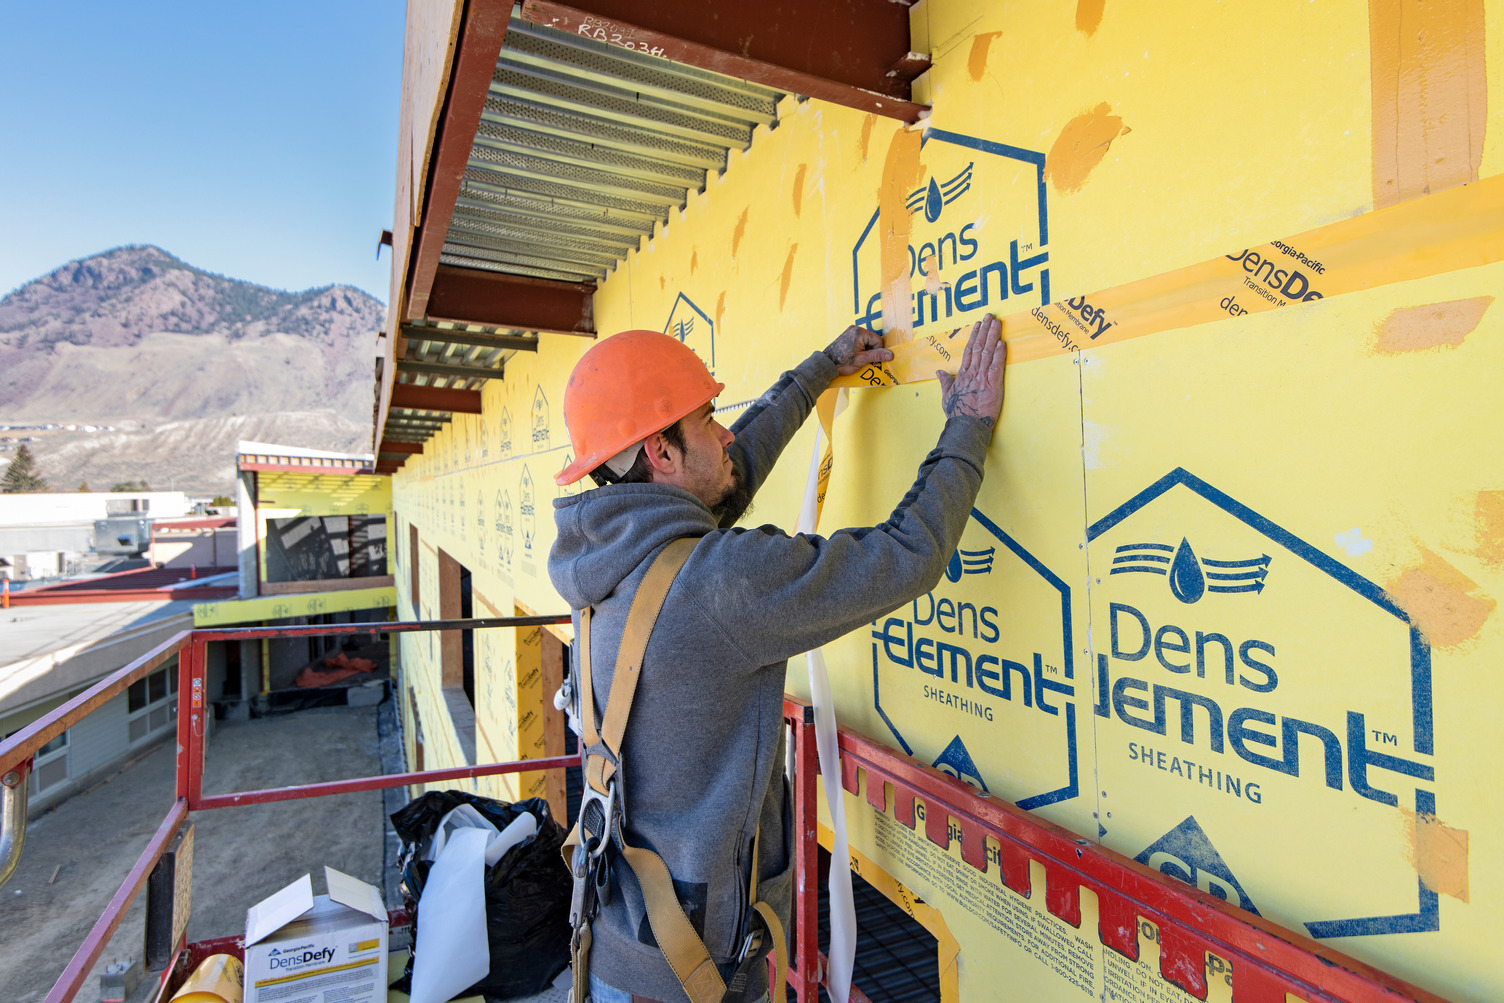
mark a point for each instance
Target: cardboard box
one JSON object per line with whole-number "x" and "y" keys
{"x": 301, "y": 949}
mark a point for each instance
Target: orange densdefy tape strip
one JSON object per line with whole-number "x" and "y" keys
{"x": 1462, "y": 227}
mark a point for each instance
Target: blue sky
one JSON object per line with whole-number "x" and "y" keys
{"x": 254, "y": 139}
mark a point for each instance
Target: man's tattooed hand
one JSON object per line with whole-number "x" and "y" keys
{"x": 856, "y": 349}
{"x": 977, "y": 387}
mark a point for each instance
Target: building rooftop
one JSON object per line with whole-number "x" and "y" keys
{"x": 40, "y": 646}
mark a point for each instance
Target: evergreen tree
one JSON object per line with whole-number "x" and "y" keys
{"x": 83, "y": 487}
{"x": 21, "y": 476}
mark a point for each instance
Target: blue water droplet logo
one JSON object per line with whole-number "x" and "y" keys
{"x": 933, "y": 203}
{"x": 1186, "y": 580}
{"x": 953, "y": 569}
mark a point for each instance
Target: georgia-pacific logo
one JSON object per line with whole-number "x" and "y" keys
{"x": 692, "y": 326}
{"x": 504, "y": 529}
{"x": 978, "y": 239}
{"x": 982, "y": 689}
{"x": 1286, "y": 706}
{"x": 540, "y": 419}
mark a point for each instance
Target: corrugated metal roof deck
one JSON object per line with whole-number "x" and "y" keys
{"x": 583, "y": 148}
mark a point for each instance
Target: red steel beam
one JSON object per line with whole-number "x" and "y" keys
{"x": 387, "y": 446}
{"x": 77, "y": 973}
{"x": 847, "y": 52}
{"x": 481, "y": 33}
{"x": 42, "y": 597}
{"x": 452, "y": 400}
{"x": 472, "y": 296}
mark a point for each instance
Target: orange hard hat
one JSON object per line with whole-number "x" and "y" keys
{"x": 624, "y": 389}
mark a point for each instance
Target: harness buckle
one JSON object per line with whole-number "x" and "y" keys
{"x": 595, "y": 843}
{"x": 750, "y": 946}
{"x": 582, "y": 904}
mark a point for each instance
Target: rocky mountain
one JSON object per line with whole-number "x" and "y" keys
{"x": 140, "y": 339}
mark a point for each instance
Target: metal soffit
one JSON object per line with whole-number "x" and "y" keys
{"x": 584, "y": 147}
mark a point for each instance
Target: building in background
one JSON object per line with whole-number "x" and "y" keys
{"x": 54, "y": 534}
{"x": 312, "y": 548}
{"x": 315, "y": 539}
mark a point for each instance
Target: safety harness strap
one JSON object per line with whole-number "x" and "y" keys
{"x": 587, "y": 687}
{"x": 682, "y": 947}
{"x": 643, "y": 615}
{"x": 780, "y": 948}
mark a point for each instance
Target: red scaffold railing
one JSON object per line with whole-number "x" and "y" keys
{"x": 1195, "y": 930}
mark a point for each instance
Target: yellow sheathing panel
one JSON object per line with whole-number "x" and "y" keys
{"x": 323, "y": 494}
{"x": 1346, "y": 440}
{"x": 1355, "y": 494}
{"x": 233, "y": 611}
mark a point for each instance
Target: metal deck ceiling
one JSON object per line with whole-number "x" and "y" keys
{"x": 584, "y": 147}
{"x": 543, "y": 140}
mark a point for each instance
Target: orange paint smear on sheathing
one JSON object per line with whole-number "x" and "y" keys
{"x": 1429, "y": 82}
{"x": 866, "y": 140}
{"x": 1431, "y": 325}
{"x": 788, "y": 276}
{"x": 799, "y": 188}
{"x": 1438, "y": 853}
{"x": 1089, "y": 16}
{"x": 976, "y": 62}
{"x": 901, "y": 172}
{"x": 1488, "y": 527}
{"x": 740, "y": 231}
{"x": 1443, "y": 602}
{"x": 1081, "y": 146}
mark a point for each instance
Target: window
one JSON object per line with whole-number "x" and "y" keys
{"x": 412, "y": 703}
{"x": 151, "y": 704}
{"x": 321, "y": 548}
{"x": 412, "y": 564}
{"x": 456, "y": 651}
{"x": 51, "y": 764}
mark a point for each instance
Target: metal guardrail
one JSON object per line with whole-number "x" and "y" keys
{"x": 1197, "y": 933}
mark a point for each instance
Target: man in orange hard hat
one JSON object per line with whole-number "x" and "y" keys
{"x": 695, "y": 777}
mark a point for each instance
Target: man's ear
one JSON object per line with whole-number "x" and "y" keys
{"x": 662, "y": 457}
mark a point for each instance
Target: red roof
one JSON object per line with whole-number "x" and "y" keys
{"x": 130, "y": 586}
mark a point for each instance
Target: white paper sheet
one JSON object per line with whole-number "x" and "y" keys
{"x": 497, "y": 843}
{"x": 452, "y": 952}
{"x": 842, "y": 954}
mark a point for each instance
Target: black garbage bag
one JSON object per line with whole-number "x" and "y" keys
{"x": 527, "y": 892}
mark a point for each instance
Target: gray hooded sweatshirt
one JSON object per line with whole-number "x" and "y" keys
{"x": 703, "y": 753}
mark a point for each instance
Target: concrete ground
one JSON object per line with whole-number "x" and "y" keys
{"x": 87, "y": 844}
{"x": 241, "y": 855}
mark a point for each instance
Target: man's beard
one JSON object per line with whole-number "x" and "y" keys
{"x": 736, "y": 503}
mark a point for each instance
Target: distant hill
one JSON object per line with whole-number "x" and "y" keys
{"x": 137, "y": 338}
